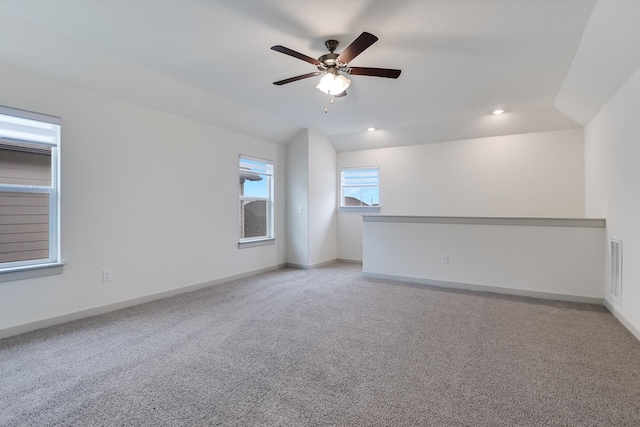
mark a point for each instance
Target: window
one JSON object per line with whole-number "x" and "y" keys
{"x": 256, "y": 201}
{"x": 29, "y": 207}
{"x": 360, "y": 188}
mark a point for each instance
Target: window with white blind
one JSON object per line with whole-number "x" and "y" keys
{"x": 29, "y": 187}
{"x": 360, "y": 188}
{"x": 256, "y": 201}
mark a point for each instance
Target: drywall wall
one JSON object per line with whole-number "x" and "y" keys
{"x": 322, "y": 200}
{"x": 562, "y": 259}
{"x": 608, "y": 54}
{"x": 311, "y": 200}
{"x": 148, "y": 195}
{"x": 529, "y": 175}
{"x": 613, "y": 188}
{"x": 298, "y": 200}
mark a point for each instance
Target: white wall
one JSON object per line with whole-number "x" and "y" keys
{"x": 151, "y": 196}
{"x": 298, "y": 199}
{"x": 529, "y": 175}
{"x": 322, "y": 200}
{"x": 553, "y": 261}
{"x": 612, "y": 152}
{"x": 311, "y": 195}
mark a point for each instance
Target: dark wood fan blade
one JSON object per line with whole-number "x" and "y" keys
{"x": 358, "y": 46}
{"x": 295, "y": 54}
{"x": 340, "y": 95}
{"x": 296, "y": 78}
{"x": 376, "y": 72}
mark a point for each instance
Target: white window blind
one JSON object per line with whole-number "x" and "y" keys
{"x": 25, "y": 126}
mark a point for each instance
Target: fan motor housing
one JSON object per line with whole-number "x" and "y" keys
{"x": 330, "y": 61}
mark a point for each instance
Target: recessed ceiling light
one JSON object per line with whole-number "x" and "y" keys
{"x": 498, "y": 111}
{"x": 371, "y": 129}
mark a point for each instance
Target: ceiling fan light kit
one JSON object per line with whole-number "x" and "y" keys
{"x": 333, "y": 84}
{"x": 332, "y": 65}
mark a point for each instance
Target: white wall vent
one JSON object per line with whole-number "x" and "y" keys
{"x": 615, "y": 258}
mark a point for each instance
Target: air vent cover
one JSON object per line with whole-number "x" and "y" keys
{"x": 615, "y": 252}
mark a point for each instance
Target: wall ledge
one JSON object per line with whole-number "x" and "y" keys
{"x": 531, "y": 222}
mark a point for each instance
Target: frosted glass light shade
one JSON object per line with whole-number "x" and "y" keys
{"x": 333, "y": 84}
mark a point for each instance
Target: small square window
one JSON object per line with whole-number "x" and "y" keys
{"x": 360, "y": 187}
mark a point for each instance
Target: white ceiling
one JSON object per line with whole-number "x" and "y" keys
{"x": 210, "y": 61}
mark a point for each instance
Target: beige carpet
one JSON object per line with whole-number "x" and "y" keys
{"x": 325, "y": 347}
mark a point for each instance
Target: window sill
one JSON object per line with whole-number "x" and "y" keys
{"x": 254, "y": 243}
{"x": 30, "y": 271}
{"x": 363, "y": 209}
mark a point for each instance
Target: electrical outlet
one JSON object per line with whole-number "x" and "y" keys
{"x": 360, "y": 245}
{"x": 445, "y": 259}
{"x": 106, "y": 275}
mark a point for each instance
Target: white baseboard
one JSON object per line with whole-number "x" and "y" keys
{"x": 622, "y": 319}
{"x": 324, "y": 263}
{"x": 297, "y": 266}
{"x": 350, "y": 261}
{"x": 94, "y": 311}
{"x": 483, "y": 288}
{"x": 309, "y": 267}
{"x": 43, "y": 323}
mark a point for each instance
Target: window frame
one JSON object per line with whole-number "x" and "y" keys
{"x": 368, "y": 209}
{"x": 270, "y": 202}
{"x": 45, "y": 132}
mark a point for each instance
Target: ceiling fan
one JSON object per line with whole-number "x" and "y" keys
{"x": 334, "y": 65}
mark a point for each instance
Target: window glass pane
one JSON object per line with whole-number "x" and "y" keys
{"x": 24, "y": 226}
{"x": 361, "y": 196}
{"x": 254, "y": 219}
{"x": 256, "y": 199}
{"x": 25, "y": 164}
{"x": 360, "y": 187}
{"x": 258, "y": 186}
{"x": 29, "y": 208}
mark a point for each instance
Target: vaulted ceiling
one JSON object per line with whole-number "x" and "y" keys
{"x": 211, "y": 61}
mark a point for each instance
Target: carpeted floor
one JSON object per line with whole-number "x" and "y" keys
{"x": 326, "y": 347}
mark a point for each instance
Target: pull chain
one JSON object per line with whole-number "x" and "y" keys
{"x": 326, "y": 108}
